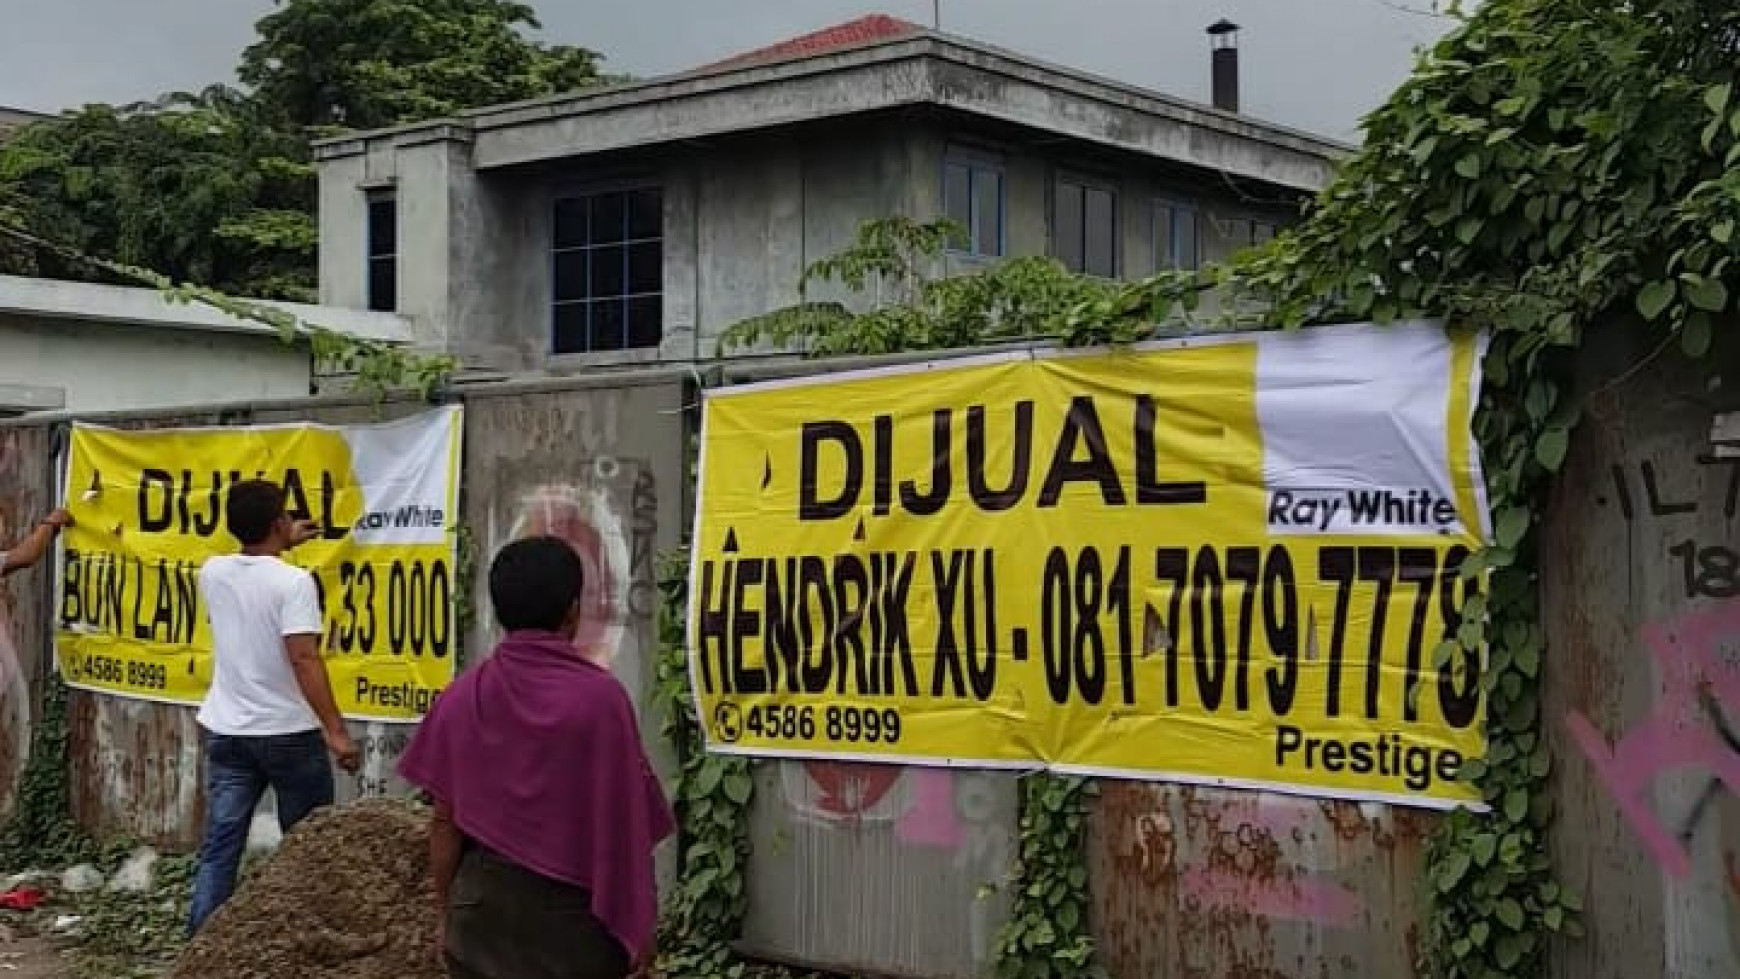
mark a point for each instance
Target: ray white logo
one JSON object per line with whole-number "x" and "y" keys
{"x": 1305, "y": 511}
{"x": 412, "y": 516}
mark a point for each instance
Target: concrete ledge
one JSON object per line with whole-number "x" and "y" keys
{"x": 76, "y": 301}
{"x": 927, "y": 68}
{"x": 31, "y": 397}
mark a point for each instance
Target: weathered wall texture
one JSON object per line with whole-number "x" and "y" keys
{"x": 1202, "y": 883}
{"x": 601, "y": 464}
{"x": 902, "y": 872}
{"x": 881, "y": 869}
{"x": 1643, "y": 672}
{"x": 26, "y": 495}
{"x": 112, "y": 367}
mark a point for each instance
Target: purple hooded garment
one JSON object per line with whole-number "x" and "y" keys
{"x": 538, "y": 754}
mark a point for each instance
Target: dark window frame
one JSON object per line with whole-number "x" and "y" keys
{"x": 1168, "y": 258}
{"x": 381, "y": 252}
{"x": 977, "y": 166}
{"x": 633, "y": 307}
{"x": 1082, "y": 185}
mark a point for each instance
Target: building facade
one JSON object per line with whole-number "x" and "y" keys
{"x": 638, "y": 223}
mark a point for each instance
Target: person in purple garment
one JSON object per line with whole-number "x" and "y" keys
{"x": 546, "y": 809}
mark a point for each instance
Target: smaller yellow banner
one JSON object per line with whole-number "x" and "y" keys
{"x": 149, "y": 511}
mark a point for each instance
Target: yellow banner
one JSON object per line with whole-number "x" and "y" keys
{"x": 149, "y": 511}
{"x": 1229, "y": 561}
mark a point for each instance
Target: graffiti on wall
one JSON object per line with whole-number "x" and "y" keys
{"x": 954, "y": 813}
{"x": 1690, "y": 727}
{"x": 1704, "y": 569}
{"x": 1694, "y": 723}
{"x": 609, "y": 515}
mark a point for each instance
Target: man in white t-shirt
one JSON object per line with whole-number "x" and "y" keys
{"x": 33, "y": 546}
{"x": 269, "y": 718}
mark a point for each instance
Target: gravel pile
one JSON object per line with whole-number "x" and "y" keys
{"x": 345, "y": 897}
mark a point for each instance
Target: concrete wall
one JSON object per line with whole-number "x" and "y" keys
{"x": 111, "y": 366}
{"x": 1642, "y": 672}
{"x": 602, "y": 463}
{"x": 743, "y": 217}
{"x": 879, "y": 868}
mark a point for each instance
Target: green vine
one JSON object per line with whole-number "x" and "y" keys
{"x": 1047, "y": 935}
{"x": 464, "y": 581}
{"x": 1551, "y": 165}
{"x": 711, "y": 794}
{"x": 40, "y": 831}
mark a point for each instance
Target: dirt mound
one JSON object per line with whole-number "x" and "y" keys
{"x": 345, "y": 897}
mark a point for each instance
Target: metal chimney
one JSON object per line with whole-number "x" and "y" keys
{"x": 1223, "y": 42}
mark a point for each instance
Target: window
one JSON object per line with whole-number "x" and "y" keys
{"x": 1175, "y": 236}
{"x": 1250, "y": 232}
{"x": 383, "y": 253}
{"x": 973, "y": 199}
{"x": 607, "y": 271}
{"x": 1084, "y": 227}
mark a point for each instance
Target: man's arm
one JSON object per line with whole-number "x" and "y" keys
{"x": 445, "y": 845}
{"x": 316, "y": 686}
{"x": 301, "y": 626}
{"x": 35, "y": 544}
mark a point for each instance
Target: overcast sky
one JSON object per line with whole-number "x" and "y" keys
{"x": 1312, "y": 64}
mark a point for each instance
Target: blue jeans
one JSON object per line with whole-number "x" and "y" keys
{"x": 238, "y": 772}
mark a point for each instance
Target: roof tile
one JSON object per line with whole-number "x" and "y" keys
{"x": 864, "y": 30}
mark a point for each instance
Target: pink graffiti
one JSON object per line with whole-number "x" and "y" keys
{"x": 921, "y": 803}
{"x": 1678, "y": 733}
{"x": 557, "y": 512}
{"x": 1311, "y": 899}
{"x": 931, "y": 819}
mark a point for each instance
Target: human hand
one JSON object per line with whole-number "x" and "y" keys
{"x": 344, "y": 750}
{"x": 59, "y": 519}
{"x": 303, "y": 531}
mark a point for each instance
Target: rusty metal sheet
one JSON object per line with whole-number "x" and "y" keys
{"x": 1201, "y": 883}
{"x": 1642, "y": 672}
{"x": 879, "y": 869}
{"x": 26, "y": 480}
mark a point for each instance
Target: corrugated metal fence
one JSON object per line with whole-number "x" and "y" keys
{"x": 892, "y": 871}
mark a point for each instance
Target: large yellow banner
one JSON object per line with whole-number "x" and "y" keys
{"x": 149, "y": 507}
{"x": 1230, "y": 560}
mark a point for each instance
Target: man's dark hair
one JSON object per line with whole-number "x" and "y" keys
{"x": 254, "y": 507}
{"x": 534, "y": 582}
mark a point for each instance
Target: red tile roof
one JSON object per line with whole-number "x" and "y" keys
{"x": 864, "y": 30}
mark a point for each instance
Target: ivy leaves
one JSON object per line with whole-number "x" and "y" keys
{"x": 1047, "y": 936}
{"x": 704, "y": 914}
{"x": 898, "y": 301}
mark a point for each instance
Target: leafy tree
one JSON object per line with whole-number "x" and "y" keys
{"x": 363, "y": 64}
{"x": 216, "y": 189}
{"x": 892, "y": 262}
{"x": 195, "y": 187}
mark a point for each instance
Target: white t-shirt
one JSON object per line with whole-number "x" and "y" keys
{"x": 253, "y": 603}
